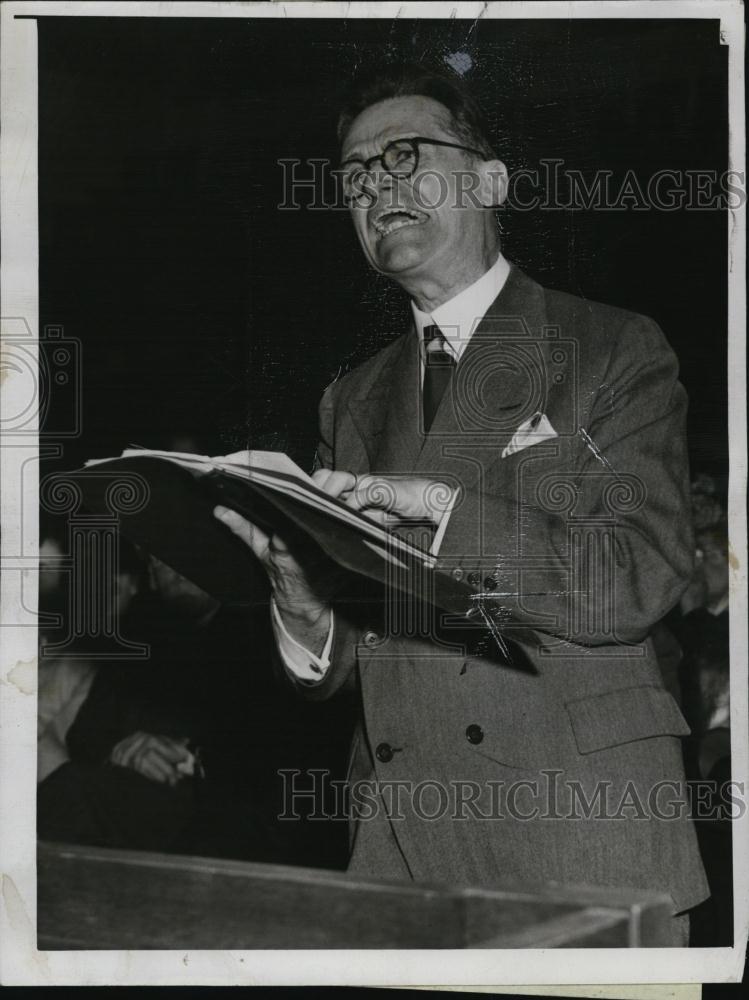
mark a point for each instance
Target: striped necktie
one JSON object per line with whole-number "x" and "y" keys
{"x": 438, "y": 369}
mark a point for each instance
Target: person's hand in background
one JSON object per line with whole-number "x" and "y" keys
{"x": 155, "y": 757}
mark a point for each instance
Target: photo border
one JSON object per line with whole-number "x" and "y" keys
{"x": 20, "y": 962}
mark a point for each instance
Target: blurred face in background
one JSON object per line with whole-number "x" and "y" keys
{"x": 183, "y": 597}
{"x": 712, "y": 561}
{"x": 128, "y": 586}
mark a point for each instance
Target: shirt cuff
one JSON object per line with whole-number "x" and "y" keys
{"x": 298, "y": 660}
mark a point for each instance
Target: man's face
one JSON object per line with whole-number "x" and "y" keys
{"x": 432, "y": 234}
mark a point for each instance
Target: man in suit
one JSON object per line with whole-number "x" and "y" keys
{"x": 541, "y": 438}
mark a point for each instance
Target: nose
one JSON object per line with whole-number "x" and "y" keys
{"x": 379, "y": 188}
{"x": 383, "y": 179}
{"x": 370, "y": 178}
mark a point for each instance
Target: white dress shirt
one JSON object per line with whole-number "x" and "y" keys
{"x": 457, "y": 319}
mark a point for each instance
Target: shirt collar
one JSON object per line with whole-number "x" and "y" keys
{"x": 459, "y": 316}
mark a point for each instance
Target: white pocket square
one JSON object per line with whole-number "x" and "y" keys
{"x": 532, "y": 431}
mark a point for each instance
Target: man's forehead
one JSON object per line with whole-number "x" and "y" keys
{"x": 396, "y": 116}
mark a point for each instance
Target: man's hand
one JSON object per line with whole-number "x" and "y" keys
{"x": 388, "y": 498}
{"x": 305, "y": 613}
{"x": 155, "y": 757}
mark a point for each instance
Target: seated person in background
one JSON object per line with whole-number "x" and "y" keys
{"x": 64, "y": 685}
{"x": 708, "y": 587}
{"x": 65, "y": 678}
{"x": 99, "y": 798}
{"x": 703, "y": 633}
{"x": 178, "y": 753}
{"x": 127, "y": 782}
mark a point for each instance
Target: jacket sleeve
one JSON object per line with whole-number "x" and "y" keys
{"x": 598, "y": 551}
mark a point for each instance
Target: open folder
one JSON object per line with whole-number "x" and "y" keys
{"x": 175, "y": 522}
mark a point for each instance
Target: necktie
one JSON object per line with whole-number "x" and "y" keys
{"x": 438, "y": 368}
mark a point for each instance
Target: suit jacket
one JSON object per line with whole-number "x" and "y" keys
{"x": 536, "y": 679}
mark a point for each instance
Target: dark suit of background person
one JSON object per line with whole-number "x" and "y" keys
{"x": 592, "y": 707}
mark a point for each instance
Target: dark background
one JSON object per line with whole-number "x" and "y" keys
{"x": 208, "y": 317}
{"x": 205, "y": 312}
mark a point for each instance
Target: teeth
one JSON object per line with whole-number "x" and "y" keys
{"x": 388, "y": 222}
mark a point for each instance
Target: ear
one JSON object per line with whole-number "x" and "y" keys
{"x": 494, "y": 183}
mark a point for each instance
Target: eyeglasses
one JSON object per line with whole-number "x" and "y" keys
{"x": 400, "y": 158}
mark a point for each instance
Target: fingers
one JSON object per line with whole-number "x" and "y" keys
{"x": 171, "y": 750}
{"x": 361, "y": 493}
{"x": 381, "y": 517}
{"x": 337, "y": 484}
{"x": 155, "y": 757}
{"x": 264, "y": 546}
{"x": 124, "y": 752}
{"x": 376, "y": 492}
{"x": 405, "y": 497}
{"x": 250, "y": 534}
{"x": 151, "y": 764}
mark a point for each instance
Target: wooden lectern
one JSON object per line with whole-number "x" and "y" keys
{"x": 95, "y": 898}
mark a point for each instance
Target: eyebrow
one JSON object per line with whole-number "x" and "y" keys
{"x": 361, "y": 159}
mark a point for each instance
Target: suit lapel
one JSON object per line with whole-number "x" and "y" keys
{"x": 368, "y": 409}
{"x": 402, "y": 438}
{"x": 498, "y": 384}
{"x": 387, "y": 415}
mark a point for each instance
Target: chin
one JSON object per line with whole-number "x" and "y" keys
{"x": 394, "y": 257}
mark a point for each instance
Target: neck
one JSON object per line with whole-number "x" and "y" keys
{"x": 431, "y": 291}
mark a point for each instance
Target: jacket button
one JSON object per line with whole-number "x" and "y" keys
{"x": 490, "y": 583}
{"x": 457, "y": 573}
{"x": 384, "y": 753}
{"x": 474, "y": 733}
{"x": 474, "y": 579}
{"x": 370, "y": 638}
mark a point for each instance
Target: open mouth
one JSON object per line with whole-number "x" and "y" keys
{"x": 393, "y": 219}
